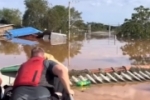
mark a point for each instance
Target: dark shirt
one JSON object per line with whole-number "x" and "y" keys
{"x": 39, "y": 91}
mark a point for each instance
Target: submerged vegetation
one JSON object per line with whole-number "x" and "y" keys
{"x": 10, "y": 16}
{"x": 138, "y": 27}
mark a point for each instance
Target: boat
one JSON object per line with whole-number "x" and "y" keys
{"x": 10, "y": 71}
{"x": 99, "y": 76}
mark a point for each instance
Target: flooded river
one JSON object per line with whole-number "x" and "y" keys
{"x": 84, "y": 53}
{"x": 90, "y": 53}
{"x": 115, "y": 92}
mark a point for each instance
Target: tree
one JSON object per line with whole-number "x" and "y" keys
{"x": 35, "y": 13}
{"x": 98, "y": 26}
{"x": 138, "y": 26}
{"x": 59, "y": 18}
{"x": 38, "y": 14}
{"x": 10, "y": 16}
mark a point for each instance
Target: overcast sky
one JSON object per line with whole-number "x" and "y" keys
{"x": 105, "y": 11}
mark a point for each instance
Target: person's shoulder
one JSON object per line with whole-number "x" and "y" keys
{"x": 50, "y": 61}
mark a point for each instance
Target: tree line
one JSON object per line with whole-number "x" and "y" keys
{"x": 138, "y": 26}
{"x": 100, "y": 26}
{"x": 40, "y": 15}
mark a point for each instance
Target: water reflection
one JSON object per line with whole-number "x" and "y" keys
{"x": 99, "y": 52}
{"x": 60, "y": 52}
{"x": 139, "y": 51}
{"x": 80, "y": 55}
{"x": 9, "y": 48}
{"x": 27, "y": 50}
{"x": 11, "y": 54}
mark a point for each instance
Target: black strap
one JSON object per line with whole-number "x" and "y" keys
{"x": 46, "y": 63}
{"x": 34, "y": 77}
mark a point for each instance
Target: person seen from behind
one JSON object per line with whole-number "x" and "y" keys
{"x": 0, "y": 88}
{"x": 35, "y": 75}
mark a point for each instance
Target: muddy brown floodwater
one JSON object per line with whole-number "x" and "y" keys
{"x": 90, "y": 53}
{"x": 116, "y": 92}
{"x": 93, "y": 53}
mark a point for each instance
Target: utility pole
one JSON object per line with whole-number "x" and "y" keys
{"x": 69, "y": 21}
{"x": 69, "y": 28}
{"x": 89, "y": 29}
{"x": 69, "y": 34}
{"x": 109, "y": 31}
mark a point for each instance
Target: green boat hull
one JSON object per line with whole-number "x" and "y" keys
{"x": 10, "y": 71}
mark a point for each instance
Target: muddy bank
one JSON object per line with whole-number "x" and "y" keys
{"x": 115, "y": 92}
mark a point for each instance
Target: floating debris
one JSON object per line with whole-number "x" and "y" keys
{"x": 111, "y": 75}
{"x": 132, "y": 75}
{"x": 91, "y": 79}
{"x": 98, "y": 78}
{"x": 105, "y": 78}
{"x": 126, "y": 76}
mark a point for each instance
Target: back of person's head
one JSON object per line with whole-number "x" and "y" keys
{"x": 37, "y": 52}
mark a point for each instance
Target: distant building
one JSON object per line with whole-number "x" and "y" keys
{"x": 4, "y": 28}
